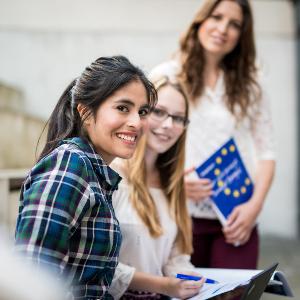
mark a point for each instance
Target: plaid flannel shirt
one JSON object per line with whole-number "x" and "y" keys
{"x": 66, "y": 221}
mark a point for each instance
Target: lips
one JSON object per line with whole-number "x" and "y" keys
{"x": 218, "y": 40}
{"x": 161, "y": 136}
{"x": 128, "y": 138}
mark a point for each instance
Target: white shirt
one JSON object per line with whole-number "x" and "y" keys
{"x": 139, "y": 250}
{"x": 212, "y": 124}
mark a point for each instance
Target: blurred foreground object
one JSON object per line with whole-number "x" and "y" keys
{"x": 20, "y": 281}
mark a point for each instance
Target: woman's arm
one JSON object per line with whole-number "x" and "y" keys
{"x": 49, "y": 209}
{"x": 243, "y": 218}
{"x": 127, "y": 278}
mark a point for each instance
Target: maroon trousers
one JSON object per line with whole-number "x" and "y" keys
{"x": 211, "y": 250}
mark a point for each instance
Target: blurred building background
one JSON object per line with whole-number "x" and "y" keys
{"x": 45, "y": 44}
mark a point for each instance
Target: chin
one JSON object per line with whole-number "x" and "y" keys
{"x": 216, "y": 50}
{"x": 125, "y": 155}
{"x": 161, "y": 151}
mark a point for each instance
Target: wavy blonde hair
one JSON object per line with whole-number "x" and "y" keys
{"x": 171, "y": 171}
{"x": 242, "y": 89}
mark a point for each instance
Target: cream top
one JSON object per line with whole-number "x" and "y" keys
{"x": 212, "y": 124}
{"x": 139, "y": 250}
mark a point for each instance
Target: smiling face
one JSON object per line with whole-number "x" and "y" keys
{"x": 119, "y": 122}
{"x": 220, "y": 32}
{"x": 162, "y": 135}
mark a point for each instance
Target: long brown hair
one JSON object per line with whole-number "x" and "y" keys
{"x": 171, "y": 171}
{"x": 242, "y": 89}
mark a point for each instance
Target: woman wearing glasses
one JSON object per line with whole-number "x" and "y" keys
{"x": 150, "y": 206}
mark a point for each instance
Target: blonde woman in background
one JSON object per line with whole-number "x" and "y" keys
{"x": 216, "y": 64}
{"x": 151, "y": 206}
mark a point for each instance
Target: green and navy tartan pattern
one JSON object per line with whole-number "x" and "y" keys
{"x": 66, "y": 221}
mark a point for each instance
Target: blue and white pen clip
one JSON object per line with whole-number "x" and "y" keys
{"x": 195, "y": 278}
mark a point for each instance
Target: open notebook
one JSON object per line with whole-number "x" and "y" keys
{"x": 250, "y": 283}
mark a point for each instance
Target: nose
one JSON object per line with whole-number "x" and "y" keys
{"x": 223, "y": 26}
{"x": 135, "y": 121}
{"x": 168, "y": 122}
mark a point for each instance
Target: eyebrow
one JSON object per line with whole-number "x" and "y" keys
{"x": 221, "y": 13}
{"x": 125, "y": 101}
{"x": 179, "y": 113}
{"x": 131, "y": 103}
{"x": 237, "y": 20}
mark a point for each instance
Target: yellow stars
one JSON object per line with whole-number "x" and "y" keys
{"x": 220, "y": 183}
{"x": 217, "y": 172}
{"x": 218, "y": 160}
{"x": 227, "y": 191}
{"x": 243, "y": 190}
{"x": 224, "y": 151}
{"x": 247, "y": 181}
{"x": 236, "y": 193}
{"x": 231, "y": 148}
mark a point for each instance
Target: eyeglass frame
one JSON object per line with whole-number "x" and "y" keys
{"x": 186, "y": 120}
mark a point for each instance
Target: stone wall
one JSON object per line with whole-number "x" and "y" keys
{"x": 19, "y": 132}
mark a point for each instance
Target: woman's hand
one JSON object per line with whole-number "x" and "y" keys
{"x": 170, "y": 286}
{"x": 181, "y": 289}
{"x": 197, "y": 189}
{"x": 240, "y": 223}
{"x": 242, "y": 220}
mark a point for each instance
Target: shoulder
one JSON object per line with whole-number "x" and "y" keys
{"x": 67, "y": 160}
{"x": 259, "y": 93}
{"x": 120, "y": 197}
{"x": 119, "y": 165}
{"x": 169, "y": 68}
{"x": 60, "y": 177}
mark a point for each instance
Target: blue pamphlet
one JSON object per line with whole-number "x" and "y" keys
{"x": 232, "y": 184}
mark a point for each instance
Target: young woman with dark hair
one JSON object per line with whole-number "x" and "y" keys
{"x": 216, "y": 65}
{"x": 66, "y": 221}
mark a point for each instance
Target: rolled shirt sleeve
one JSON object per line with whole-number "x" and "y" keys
{"x": 121, "y": 280}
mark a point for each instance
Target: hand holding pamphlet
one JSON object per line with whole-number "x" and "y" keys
{"x": 231, "y": 182}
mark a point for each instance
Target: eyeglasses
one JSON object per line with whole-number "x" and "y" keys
{"x": 161, "y": 115}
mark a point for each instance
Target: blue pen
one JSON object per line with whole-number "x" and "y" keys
{"x": 196, "y": 278}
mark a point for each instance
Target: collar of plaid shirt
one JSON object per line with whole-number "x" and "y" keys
{"x": 101, "y": 168}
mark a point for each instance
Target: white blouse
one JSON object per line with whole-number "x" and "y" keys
{"x": 139, "y": 250}
{"x": 212, "y": 124}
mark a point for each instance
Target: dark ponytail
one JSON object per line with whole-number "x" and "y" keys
{"x": 61, "y": 123}
{"x": 98, "y": 81}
